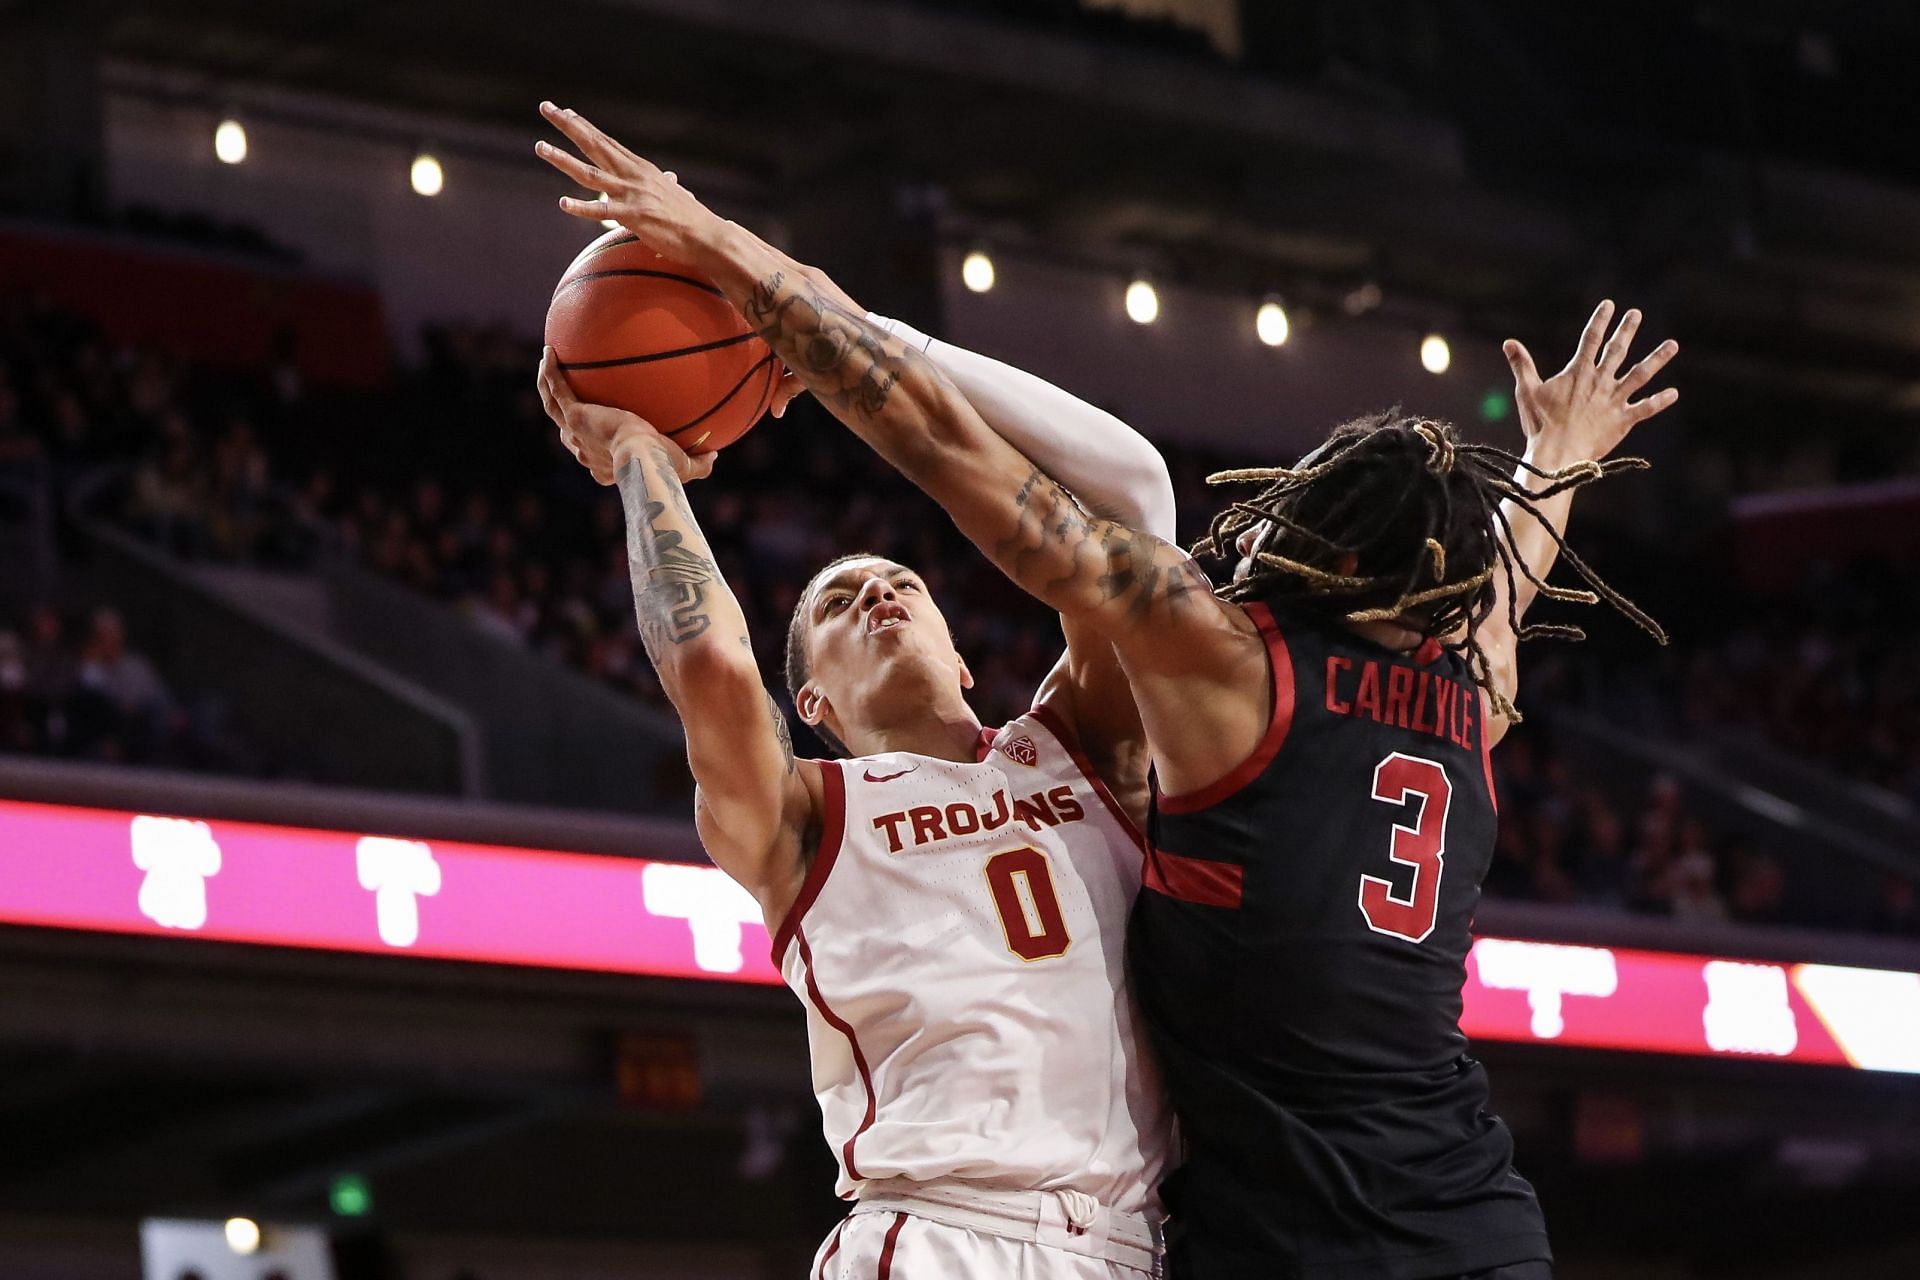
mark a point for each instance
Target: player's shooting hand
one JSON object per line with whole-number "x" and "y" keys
{"x": 601, "y": 438}
{"x": 1583, "y": 412}
{"x": 633, "y": 191}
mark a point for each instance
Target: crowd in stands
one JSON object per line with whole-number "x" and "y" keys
{"x": 454, "y": 484}
{"x": 71, "y": 686}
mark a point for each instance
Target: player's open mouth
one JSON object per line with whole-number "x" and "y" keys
{"x": 887, "y": 617}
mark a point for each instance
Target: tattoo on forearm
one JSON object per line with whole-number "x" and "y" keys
{"x": 670, "y": 579}
{"x": 1124, "y": 564}
{"x": 841, "y": 358}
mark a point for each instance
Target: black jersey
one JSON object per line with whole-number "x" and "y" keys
{"x": 1299, "y": 954}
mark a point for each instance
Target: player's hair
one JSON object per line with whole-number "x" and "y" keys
{"x": 799, "y": 669}
{"x": 1418, "y": 511}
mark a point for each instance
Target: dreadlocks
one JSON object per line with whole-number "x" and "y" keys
{"x": 1398, "y": 519}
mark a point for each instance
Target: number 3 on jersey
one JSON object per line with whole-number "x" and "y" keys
{"x": 1422, "y": 846}
{"x": 1021, "y": 881}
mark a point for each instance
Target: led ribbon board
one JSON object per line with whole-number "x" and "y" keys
{"x": 116, "y": 872}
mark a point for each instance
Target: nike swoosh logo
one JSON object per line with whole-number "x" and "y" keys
{"x": 889, "y": 777}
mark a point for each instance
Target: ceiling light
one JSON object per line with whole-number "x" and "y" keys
{"x": 1143, "y": 304}
{"x": 230, "y": 141}
{"x": 427, "y": 176}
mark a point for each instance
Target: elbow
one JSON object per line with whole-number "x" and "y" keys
{"x": 707, "y": 669}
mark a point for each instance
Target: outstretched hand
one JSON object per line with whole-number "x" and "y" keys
{"x": 601, "y": 438}
{"x": 1583, "y": 412}
{"x": 633, "y": 191}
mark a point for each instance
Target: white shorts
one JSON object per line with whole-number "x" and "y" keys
{"x": 900, "y": 1246}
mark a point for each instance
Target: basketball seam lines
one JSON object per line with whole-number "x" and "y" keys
{"x": 690, "y": 281}
{"x": 722, "y": 401}
{"x": 661, "y": 355}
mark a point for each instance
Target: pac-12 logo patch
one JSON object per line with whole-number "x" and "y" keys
{"x": 1020, "y": 750}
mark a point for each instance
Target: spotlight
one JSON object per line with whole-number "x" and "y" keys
{"x": 1143, "y": 304}
{"x": 427, "y": 176}
{"x": 230, "y": 141}
{"x": 1435, "y": 354}
{"x": 243, "y": 1236}
{"x": 976, "y": 271}
{"x": 1270, "y": 323}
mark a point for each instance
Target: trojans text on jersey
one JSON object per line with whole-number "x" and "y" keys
{"x": 930, "y": 824}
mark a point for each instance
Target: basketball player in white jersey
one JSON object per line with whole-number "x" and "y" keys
{"x": 950, "y": 903}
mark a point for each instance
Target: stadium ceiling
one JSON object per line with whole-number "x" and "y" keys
{"x": 1494, "y": 167}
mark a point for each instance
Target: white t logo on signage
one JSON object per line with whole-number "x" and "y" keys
{"x": 397, "y": 871}
{"x": 178, "y": 855}
{"x": 1548, "y": 973}
{"x": 711, "y": 902}
{"x": 1748, "y": 1010}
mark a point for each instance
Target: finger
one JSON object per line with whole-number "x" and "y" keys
{"x": 547, "y": 400}
{"x": 553, "y": 376}
{"x": 592, "y": 210}
{"x": 593, "y": 144}
{"x": 1590, "y": 337}
{"x": 785, "y": 392}
{"x": 1615, "y": 352}
{"x": 1520, "y": 360}
{"x": 1656, "y": 360}
{"x": 587, "y": 175}
{"x": 1658, "y": 402}
{"x": 701, "y": 466}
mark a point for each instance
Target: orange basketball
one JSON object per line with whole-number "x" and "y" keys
{"x": 643, "y": 333}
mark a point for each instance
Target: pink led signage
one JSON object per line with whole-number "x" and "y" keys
{"x": 116, "y": 872}
{"x": 298, "y": 887}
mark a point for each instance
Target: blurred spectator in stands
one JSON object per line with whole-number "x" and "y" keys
{"x": 241, "y": 492}
{"x": 1604, "y": 874}
{"x": 16, "y": 720}
{"x": 171, "y": 504}
{"x": 52, "y": 676}
{"x": 1688, "y": 883}
{"x": 138, "y": 708}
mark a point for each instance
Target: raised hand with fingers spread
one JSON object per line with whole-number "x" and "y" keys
{"x": 633, "y": 191}
{"x": 1583, "y": 412}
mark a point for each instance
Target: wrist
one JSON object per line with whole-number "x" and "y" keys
{"x": 1553, "y": 454}
{"x": 721, "y": 250}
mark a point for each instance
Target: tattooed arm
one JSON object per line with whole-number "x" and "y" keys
{"x": 755, "y": 803}
{"x": 1197, "y": 664}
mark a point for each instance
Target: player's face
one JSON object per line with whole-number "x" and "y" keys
{"x": 867, "y": 618}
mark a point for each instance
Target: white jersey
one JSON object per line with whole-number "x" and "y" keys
{"x": 959, "y": 944}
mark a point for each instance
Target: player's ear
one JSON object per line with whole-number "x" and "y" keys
{"x": 966, "y": 676}
{"x": 810, "y": 704}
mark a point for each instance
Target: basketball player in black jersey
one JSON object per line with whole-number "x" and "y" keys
{"x": 1319, "y": 727}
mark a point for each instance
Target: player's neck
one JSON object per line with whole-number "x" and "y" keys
{"x": 944, "y": 733}
{"x": 1389, "y": 635}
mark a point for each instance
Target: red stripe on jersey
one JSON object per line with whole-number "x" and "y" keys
{"x": 1061, "y": 730}
{"x": 983, "y": 745}
{"x": 833, "y": 828}
{"x": 1211, "y": 884}
{"x": 833, "y": 1247}
{"x": 886, "y": 1246}
{"x": 1278, "y": 723}
{"x": 1486, "y": 751}
{"x": 845, "y": 1028}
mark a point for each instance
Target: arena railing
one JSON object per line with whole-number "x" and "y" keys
{"x": 333, "y": 715}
